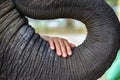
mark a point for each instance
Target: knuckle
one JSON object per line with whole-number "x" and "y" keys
{"x": 60, "y": 39}
{"x": 67, "y": 43}
{"x": 64, "y": 39}
{"x": 57, "y": 37}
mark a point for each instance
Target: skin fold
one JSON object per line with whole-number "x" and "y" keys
{"x": 24, "y": 55}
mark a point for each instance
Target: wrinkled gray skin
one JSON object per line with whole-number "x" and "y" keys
{"x": 24, "y": 55}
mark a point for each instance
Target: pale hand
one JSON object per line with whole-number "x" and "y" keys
{"x": 62, "y": 46}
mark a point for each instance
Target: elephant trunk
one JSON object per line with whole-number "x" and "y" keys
{"x": 1, "y": 1}
{"x": 52, "y": 9}
{"x": 25, "y": 55}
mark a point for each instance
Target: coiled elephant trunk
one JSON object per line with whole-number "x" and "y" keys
{"x": 25, "y": 55}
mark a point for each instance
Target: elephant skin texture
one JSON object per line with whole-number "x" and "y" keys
{"x": 24, "y": 55}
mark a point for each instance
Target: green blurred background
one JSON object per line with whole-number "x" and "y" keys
{"x": 75, "y": 31}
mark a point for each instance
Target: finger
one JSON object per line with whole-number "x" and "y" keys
{"x": 68, "y": 47}
{"x": 57, "y": 47}
{"x": 51, "y": 42}
{"x": 63, "y": 48}
{"x": 72, "y": 45}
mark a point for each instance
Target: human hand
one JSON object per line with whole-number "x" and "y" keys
{"x": 62, "y": 46}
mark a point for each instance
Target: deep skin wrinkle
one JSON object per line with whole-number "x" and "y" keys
{"x": 24, "y": 55}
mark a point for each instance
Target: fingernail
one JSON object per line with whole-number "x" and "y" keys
{"x": 64, "y": 55}
{"x": 69, "y": 53}
{"x": 52, "y": 47}
{"x": 59, "y": 54}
